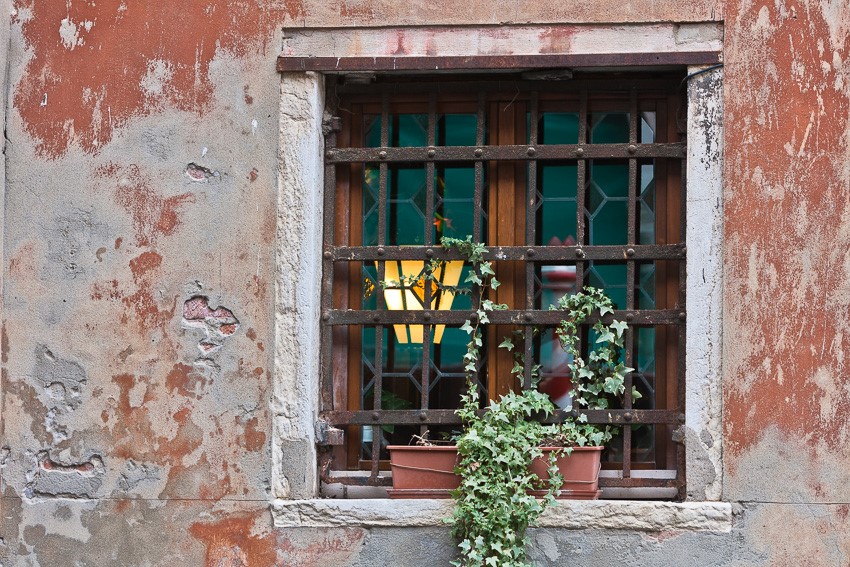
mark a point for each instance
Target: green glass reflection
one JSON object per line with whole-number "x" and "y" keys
{"x": 558, "y": 128}
{"x": 457, "y": 130}
{"x": 557, "y": 214}
{"x": 609, "y": 127}
{"x": 557, "y": 181}
{"x": 611, "y": 278}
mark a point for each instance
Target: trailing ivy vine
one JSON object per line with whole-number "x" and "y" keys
{"x": 494, "y": 506}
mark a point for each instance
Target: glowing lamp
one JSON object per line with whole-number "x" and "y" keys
{"x": 409, "y": 293}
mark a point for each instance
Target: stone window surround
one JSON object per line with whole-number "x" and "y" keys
{"x": 297, "y": 330}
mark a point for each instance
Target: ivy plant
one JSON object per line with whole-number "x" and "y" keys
{"x": 494, "y": 506}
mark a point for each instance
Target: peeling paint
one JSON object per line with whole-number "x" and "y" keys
{"x": 217, "y": 324}
{"x": 108, "y": 64}
{"x": 236, "y": 540}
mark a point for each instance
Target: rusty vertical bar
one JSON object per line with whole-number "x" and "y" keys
{"x": 530, "y": 237}
{"x": 581, "y": 167}
{"x": 382, "y": 241}
{"x": 430, "y": 193}
{"x": 478, "y": 194}
{"x": 478, "y": 198}
{"x": 328, "y": 271}
{"x": 631, "y": 236}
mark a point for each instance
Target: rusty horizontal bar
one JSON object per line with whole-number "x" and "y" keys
{"x": 340, "y": 477}
{"x": 562, "y": 254}
{"x": 372, "y": 318}
{"x": 287, "y": 63}
{"x": 640, "y": 482}
{"x": 449, "y": 89}
{"x": 541, "y": 152}
{"x": 449, "y": 417}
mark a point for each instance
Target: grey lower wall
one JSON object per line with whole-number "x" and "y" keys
{"x": 777, "y": 535}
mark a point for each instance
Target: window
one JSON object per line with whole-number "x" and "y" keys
{"x": 571, "y": 183}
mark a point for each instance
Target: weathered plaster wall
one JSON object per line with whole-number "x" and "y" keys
{"x": 377, "y": 13}
{"x": 141, "y": 167}
{"x": 141, "y": 162}
{"x": 787, "y": 308}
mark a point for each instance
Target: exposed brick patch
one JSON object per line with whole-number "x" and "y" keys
{"x": 80, "y": 479}
{"x": 217, "y": 324}
{"x": 199, "y": 173}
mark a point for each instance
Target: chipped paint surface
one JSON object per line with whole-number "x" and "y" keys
{"x": 372, "y": 13}
{"x": 787, "y": 234}
{"x": 113, "y": 418}
{"x": 94, "y": 65}
{"x": 140, "y": 226}
{"x": 516, "y": 40}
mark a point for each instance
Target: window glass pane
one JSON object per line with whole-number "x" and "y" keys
{"x": 454, "y": 202}
{"x": 611, "y": 278}
{"x": 645, "y": 290}
{"x": 401, "y": 356}
{"x": 406, "y": 196}
{"x": 646, "y": 202}
{"x": 456, "y": 129}
{"x": 558, "y": 128}
{"x": 557, "y": 197}
{"x": 455, "y": 190}
{"x": 408, "y": 130}
{"x": 647, "y": 127}
{"x": 609, "y": 127}
{"x": 607, "y": 202}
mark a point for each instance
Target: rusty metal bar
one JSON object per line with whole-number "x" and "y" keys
{"x": 430, "y": 189}
{"x": 386, "y": 480}
{"x": 639, "y": 317}
{"x": 478, "y": 195}
{"x": 348, "y": 479}
{"x": 540, "y": 254}
{"x": 637, "y": 482}
{"x": 530, "y": 152}
{"x": 581, "y": 167}
{"x": 431, "y": 64}
{"x": 449, "y": 417}
{"x": 430, "y": 180}
{"x": 328, "y": 274}
{"x": 530, "y": 238}
{"x": 627, "y": 428}
{"x": 378, "y": 388}
{"x": 458, "y": 87}
{"x": 631, "y": 236}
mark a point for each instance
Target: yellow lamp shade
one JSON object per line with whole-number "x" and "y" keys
{"x": 407, "y": 292}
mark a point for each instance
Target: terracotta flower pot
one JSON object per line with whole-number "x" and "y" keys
{"x": 580, "y": 470}
{"x": 423, "y": 472}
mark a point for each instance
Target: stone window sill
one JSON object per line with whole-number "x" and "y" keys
{"x": 568, "y": 514}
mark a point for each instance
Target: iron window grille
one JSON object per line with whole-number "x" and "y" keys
{"x": 515, "y": 142}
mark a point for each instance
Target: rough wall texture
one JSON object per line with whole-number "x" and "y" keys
{"x": 141, "y": 163}
{"x": 138, "y": 254}
{"x": 787, "y": 233}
